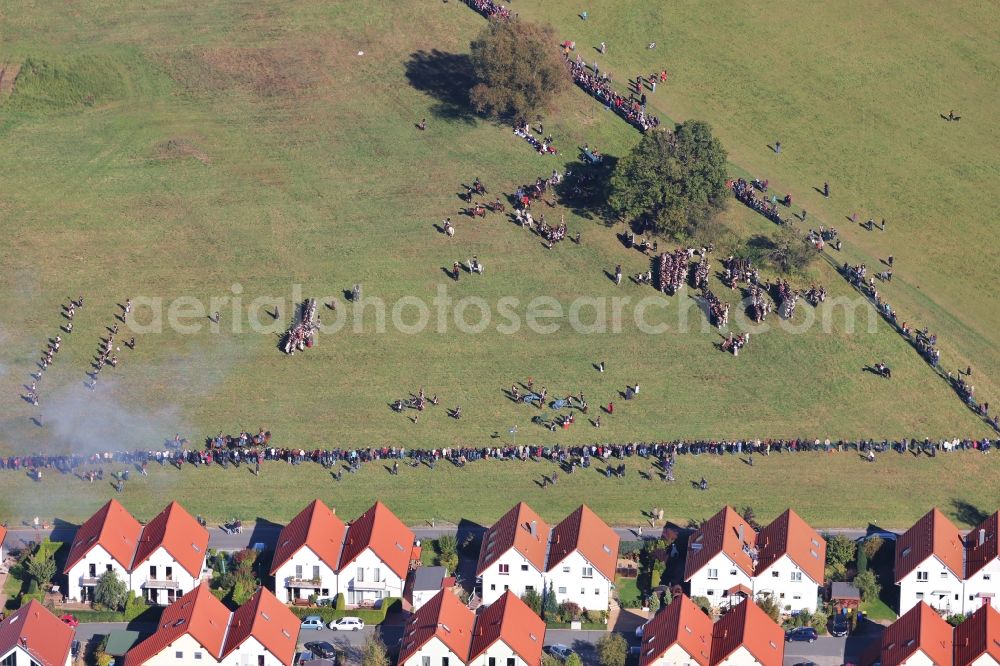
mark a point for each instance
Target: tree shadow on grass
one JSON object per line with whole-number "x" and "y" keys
{"x": 447, "y": 77}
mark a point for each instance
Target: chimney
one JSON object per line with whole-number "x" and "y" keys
{"x": 982, "y": 536}
{"x": 24, "y": 642}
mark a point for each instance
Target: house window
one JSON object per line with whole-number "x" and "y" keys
{"x": 361, "y": 574}
{"x": 524, "y": 567}
{"x": 775, "y": 574}
{"x": 178, "y": 655}
{"x": 597, "y": 590}
{"x": 511, "y": 661}
{"x": 492, "y": 661}
{"x": 444, "y": 661}
{"x": 588, "y": 572}
{"x": 298, "y": 571}
{"x": 315, "y": 572}
{"x": 920, "y": 595}
{"x": 260, "y": 660}
{"x": 378, "y": 574}
{"x": 504, "y": 569}
{"x": 986, "y": 576}
{"x": 781, "y": 595}
{"x": 583, "y": 591}
{"x": 565, "y": 569}
{"x": 713, "y": 574}
{"x": 11, "y": 660}
{"x": 493, "y": 587}
{"x": 732, "y": 572}
{"x": 796, "y": 576}
{"x": 711, "y": 593}
{"x": 197, "y": 656}
{"x": 529, "y": 587}
{"x": 921, "y": 576}
{"x": 797, "y": 596}
{"x": 425, "y": 661}
{"x": 562, "y": 590}
{"x": 944, "y": 574}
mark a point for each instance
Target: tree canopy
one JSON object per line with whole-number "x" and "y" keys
{"x": 671, "y": 181}
{"x": 612, "y": 650}
{"x": 518, "y": 68}
{"x": 111, "y": 591}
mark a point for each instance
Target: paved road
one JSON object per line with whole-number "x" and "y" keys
{"x": 826, "y": 651}
{"x": 267, "y": 534}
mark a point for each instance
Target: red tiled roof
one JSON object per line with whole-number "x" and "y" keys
{"x": 682, "y": 623}
{"x": 721, "y": 534}
{"x": 3, "y": 534}
{"x": 114, "y": 529}
{"x": 443, "y": 616}
{"x": 584, "y": 531}
{"x": 978, "y": 555}
{"x": 510, "y": 620}
{"x": 934, "y": 535}
{"x": 269, "y": 621}
{"x": 316, "y": 526}
{"x": 748, "y": 626}
{"x": 198, "y": 614}
{"x": 920, "y": 628}
{"x": 977, "y": 635}
{"x": 179, "y": 534}
{"x": 44, "y": 636}
{"x": 789, "y": 535}
{"x": 514, "y": 530}
{"x": 379, "y": 529}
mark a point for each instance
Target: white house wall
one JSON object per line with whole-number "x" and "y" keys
{"x": 187, "y": 647}
{"x": 980, "y": 586}
{"x": 800, "y": 594}
{"x": 307, "y": 559}
{"x": 161, "y": 559}
{"x": 22, "y": 658}
{"x": 500, "y": 652}
{"x": 918, "y": 658}
{"x": 101, "y": 559}
{"x": 248, "y": 653}
{"x": 355, "y": 591}
{"x": 436, "y": 652}
{"x": 729, "y": 576}
{"x": 939, "y": 579}
{"x": 741, "y": 657}
{"x": 523, "y": 575}
{"x": 569, "y": 583}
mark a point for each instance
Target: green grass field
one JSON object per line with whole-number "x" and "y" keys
{"x": 179, "y": 149}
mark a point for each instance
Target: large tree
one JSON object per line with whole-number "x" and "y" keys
{"x": 111, "y": 591}
{"x": 672, "y": 181}
{"x": 518, "y": 69}
{"x": 612, "y": 650}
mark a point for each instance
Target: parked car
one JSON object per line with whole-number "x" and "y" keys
{"x": 559, "y": 651}
{"x": 348, "y": 624}
{"x": 312, "y": 622}
{"x": 321, "y": 649}
{"x": 801, "y": 634}
{"x": 840, "y": 626}
{"x": 70, "y": 620}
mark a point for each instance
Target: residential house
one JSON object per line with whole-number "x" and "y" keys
{"x": 920, "y": 637}
{"x": 747, "y": 636}
{"x": 424, "y": 583}
{"x": 977, "y": 639}
{"x": 375, "y": 557}
{"x": 930, "y": 565}
{"x": 307, "y": 554}
{"x": 439, "y": 633}
{"x": 507, "y": 633}
{"x": 107, "y": 541}
{"x": 33, "y": 636}
{"x": 982, "y": 566}
{"x": 198, "y": 628}
{"x": 159, "y": 561}
{"x": 3, "y": 537}
{"x": 583, "y": 556}
{"x": 679, "y": 635}
{"x": 721, "y": 556}
{"x": 727, "y": 561}
{"x": 513, "y": 554}
{"x": 791, "y": 561}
